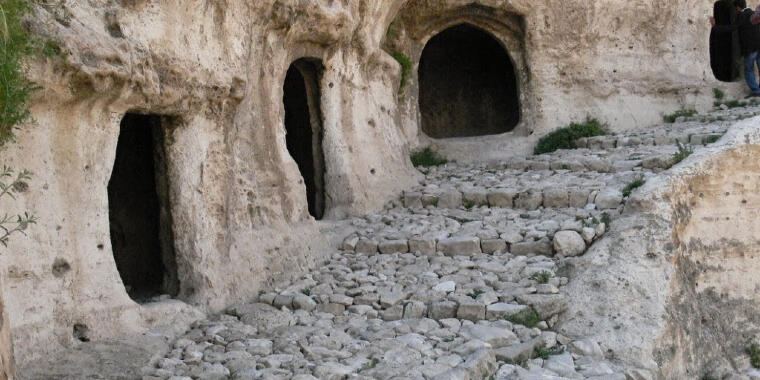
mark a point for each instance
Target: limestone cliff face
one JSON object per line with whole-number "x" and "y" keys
{"x": 625, "y": 62}
{"x": 213, "y": 70}
{"x": 673, "y": 287}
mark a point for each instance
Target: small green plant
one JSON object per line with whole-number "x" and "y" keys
{"x": 606, "y": 219}
{"x": 406, "y": 67}
{"x": 475, "y": 293}
{"x": 306, "y": 291}
{"x": 528, "y": 318}
{"x": 590, "y": 222}
{"x": 427, "y": 158}
{"x": 680, "y": 113}
{"x": 434, "y": 202}
{"x": 733, "y": 104}
{"x": 629, "y": 188}
{"x": 541, "y": 277}
{"x": 683, "y": 152}
{"x": 392, "y": 32}
{"x": 542, "y": 352}
{"x": 753, "y": 350}
{"x": 369, "y": 365}
{"x": 709, "y": 377}
{"x": 711, "y": 139}
{"x": 718, "y": 94}
{"x": 468, "y": 203}
{"x": 564, "y": 138}
{"x": 10, "y": 225}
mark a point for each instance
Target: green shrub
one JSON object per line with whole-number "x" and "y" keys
{"x": 542, "y": 352}
{"x": 475, "y": 293}
{"x": 16, "y": 43}
{"x": 427, "y": 158}
{"x": 10, "y": 225}
{"x": 682, "y": 153}
{"x": 541, "y": 277}
{"x": 528, "y": 318}
{"x": 629, "y": 188}
{"x": 754, "y": 354}
{"x": 406, "y": 67}
{"x": 606, "y": 219}
{"x": 680, "y": 113}
{"x": 718, "y": 94}
{"x": 564, "y": 138}
{"x": 711, "y": 139}
{"x": 735, "y": 103}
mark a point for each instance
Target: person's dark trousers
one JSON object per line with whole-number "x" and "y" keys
{"x": 749, "y": 71}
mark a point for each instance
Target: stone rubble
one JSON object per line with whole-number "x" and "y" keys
{"x": 458, "y": 279}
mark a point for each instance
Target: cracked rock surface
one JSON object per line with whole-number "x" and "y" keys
{"x": 458, "y": 278}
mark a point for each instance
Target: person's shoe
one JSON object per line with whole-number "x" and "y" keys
{"x": 753, "y": 95}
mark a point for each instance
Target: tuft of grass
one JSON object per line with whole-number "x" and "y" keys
{"x": 718, "y": 94}
{"x": 753, "y": 350}
{"x": 369, "y": 365}
{"x": 392, "y": 33}
{"x": 734, "y": 104}
{"x": 680, "y": 113}
{"x": 709, "y": 377}
{"x": 476, "y": 293}
{"x": 606, "y": 219}
{"x": 427, "y": 158}
{"x": 528, "y": 318}
{"x": 468, "y": 203}
{"x": 564, "y": 138}
{"x": 629, "y": 188}
{"x": 306, "y": 291}
{"x": 683, "y": 152}
{"x": 542, "y": 352}
{"x": 541, "y": 277}
{"x": 711, "y": 139}
{"x": 406, "y": 67}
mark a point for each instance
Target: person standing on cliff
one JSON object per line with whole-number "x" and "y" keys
{"x": 749, "y": 39}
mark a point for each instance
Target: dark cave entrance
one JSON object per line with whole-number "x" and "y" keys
{"x": 303, "y": 127}
{"x": 468, "y": 85}
{"x": 138, "y": 210}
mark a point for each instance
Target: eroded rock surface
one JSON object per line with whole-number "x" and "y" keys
{"x": 423, "y": 291}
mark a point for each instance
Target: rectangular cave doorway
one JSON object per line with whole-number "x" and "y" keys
{"x": 303, "y": 128}
{"x": 139, "y": 212}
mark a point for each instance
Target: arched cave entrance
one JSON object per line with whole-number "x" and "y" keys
{"x": 468, "y": 85}
{"x": 138, "y": 210}
{"x": 303, "y": 127}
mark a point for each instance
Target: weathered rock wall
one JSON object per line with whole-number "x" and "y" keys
{"x": 673, "y": 287}
{"x": 214, "y": 69}
{"x": 624, "y": 62}
{"x": 7, "y": 369}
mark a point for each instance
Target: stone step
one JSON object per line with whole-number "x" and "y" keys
{"x": 597, "y": 194}
{"x": 567, "y": 240}
{"x": 615, "y": 141}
